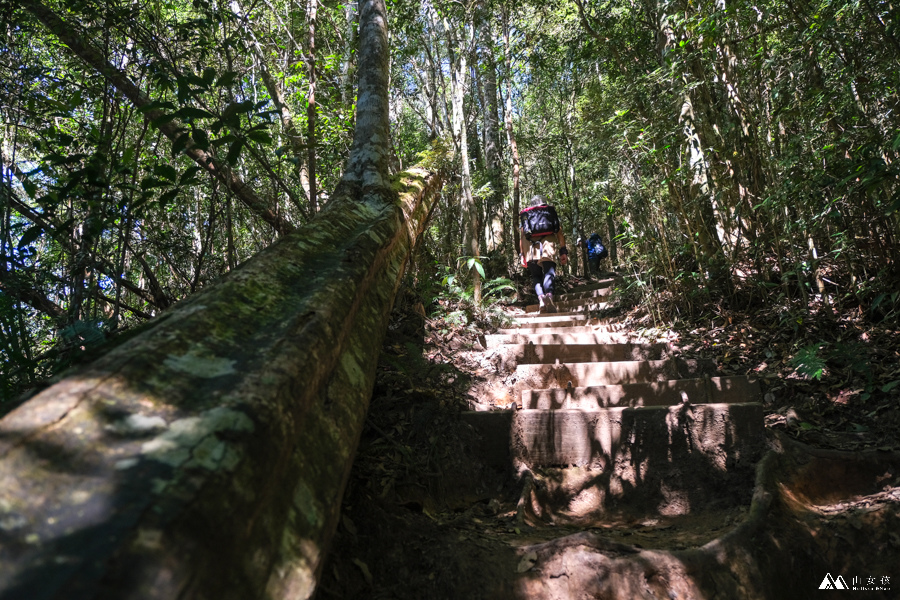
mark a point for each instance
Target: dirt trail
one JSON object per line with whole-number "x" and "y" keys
{"x": 601, "y": 465}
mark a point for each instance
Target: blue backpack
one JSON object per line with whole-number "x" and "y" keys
{"x": 595, "y": 247}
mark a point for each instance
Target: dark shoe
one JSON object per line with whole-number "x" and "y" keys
{"x": 551, "y": 305}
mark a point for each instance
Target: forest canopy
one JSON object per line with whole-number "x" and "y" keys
{"x": 738, "y": 153}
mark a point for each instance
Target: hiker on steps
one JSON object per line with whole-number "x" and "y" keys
{"x": 541, "y": 241}
{"x": 596, "y": 252}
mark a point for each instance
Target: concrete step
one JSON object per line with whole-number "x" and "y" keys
{"x": 637, "y": 444}
{"x": 582, "y": 303}
{"x": 559, "y": 313}
{"x": 551, "y": 320}
{"x": 576, "y": 306}
{"x": 563, "y": 329}
{"x": 599, "y": 285}
{"x": 668, "y": 434}
{"x": 548, "y": 354}
{"x": 609, "y": 373}
{"x": 577, "y": 299}
{"x": 588, "y": 294}
{"x": 585, "y": 294}
{"x": 712, "y": 390}
{"x": 587, "y": 337}
{"x": 516, "y": 327}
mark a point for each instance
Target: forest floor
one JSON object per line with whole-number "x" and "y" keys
{"x": 423, "y": 517}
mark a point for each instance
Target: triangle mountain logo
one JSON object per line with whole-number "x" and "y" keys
{"x": 830, "y": 583}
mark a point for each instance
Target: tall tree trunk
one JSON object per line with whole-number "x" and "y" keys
{"x": 487, "y": 71}
{"x": 206, "y": 456}
{"x": 612, "y": 244}
{"x": 348, "y": 62}
{"x": 311, "y": 105}
{"x": 510, "y": 134}
{"x": 701, "y": 190}
{"x": 470, "y": 214}
{"x": 295, "y": 140}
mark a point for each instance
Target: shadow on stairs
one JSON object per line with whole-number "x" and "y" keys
{"x": 651, "y": 433}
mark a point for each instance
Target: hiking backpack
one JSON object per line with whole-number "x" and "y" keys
{"x": 595, "y": 247}
{"x": 539, "y": 221}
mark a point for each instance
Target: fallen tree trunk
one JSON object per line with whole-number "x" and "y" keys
{"x": 206, "y": 456}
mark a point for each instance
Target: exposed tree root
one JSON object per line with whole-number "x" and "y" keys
{"x": 783, "y": 549}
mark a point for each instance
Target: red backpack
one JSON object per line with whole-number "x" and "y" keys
{"x": 539, "y": 221}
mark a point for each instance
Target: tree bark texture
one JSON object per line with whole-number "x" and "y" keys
{"x": 508, "y": 119}
{"x": 295, "y": 140}
{"x": 206, "y": 456}
{"x": 470, "y": 215}
{"x": 494, "y": 226}
{"x": 311, "y": 10}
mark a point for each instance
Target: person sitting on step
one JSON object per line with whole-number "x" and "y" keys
{"x": 541, "y": 243}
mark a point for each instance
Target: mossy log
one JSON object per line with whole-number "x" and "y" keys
{"x": 206, "y": 456}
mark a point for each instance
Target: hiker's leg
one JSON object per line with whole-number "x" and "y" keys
{"x": 549, "y": 274}
{"x": 537, "y": 277}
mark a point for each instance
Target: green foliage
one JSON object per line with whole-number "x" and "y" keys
{"x": 497, "y": 289}
{"x": 726, "y": 161}
{"x": 14, "y": 350}
{"x": 439, "y": 156}
{"x": 853, "y": 356}
{"x": 886, "y": 304}
{"x": 109, "y": 220}
{"x": 460, "y": 289}
{"x": 812, "y": 360}
{"x": 472, "y": 262}
{"x": 808, "y": 362}
{"x": 456, "y": 318}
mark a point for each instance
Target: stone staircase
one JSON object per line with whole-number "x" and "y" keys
{"x": 654, "y": 429}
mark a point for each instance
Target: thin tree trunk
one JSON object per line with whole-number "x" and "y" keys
{"x": 295, "y": 140}
{"x": 494, "y": 226}
{"x": 510, "y": 134}
{"x": 460, "y": 133}
{"x": 311, "y": 106}
{"x": 347, "y": 64}
{"x": 611, "y": 243}
{"x": 229, "y": 232}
